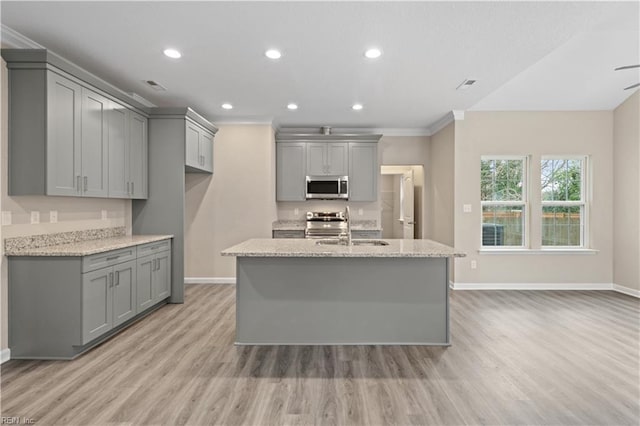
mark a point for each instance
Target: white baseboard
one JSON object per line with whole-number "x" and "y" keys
{"x": 626, "y": 290}
{"x": 533, "y": 286}
{"x": 210, "y": 280}
{"x": 5, "y": 355}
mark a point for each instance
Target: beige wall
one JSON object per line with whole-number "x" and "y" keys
{"x": 626, "y": 193}
{"x": 73, "y": 213}
{"x": 441, "y": 181}
{"x": 234, "y": 204}
{"x": 534, "y": 134}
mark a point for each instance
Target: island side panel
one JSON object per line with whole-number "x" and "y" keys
{"x": 333, "y": 300}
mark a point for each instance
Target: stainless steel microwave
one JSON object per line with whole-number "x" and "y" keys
{"x": 328, "y": 187}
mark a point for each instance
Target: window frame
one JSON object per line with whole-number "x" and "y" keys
{"x": 524, "y": 203}
{"x": 584, "y": 202}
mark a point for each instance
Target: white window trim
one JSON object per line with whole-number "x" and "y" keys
{"x": 584, "y": 203}
{"x": 524, "y": 203}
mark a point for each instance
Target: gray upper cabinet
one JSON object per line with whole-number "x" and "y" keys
{"x": 290, "y": 171}
{"x": 68, "y": 137}
{"x": 363, "y": 171}
{"x": 327, "y": 158}
{"x": 198, "y": 149}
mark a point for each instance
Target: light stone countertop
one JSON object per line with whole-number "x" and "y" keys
{"x": 293, "y": 247}
{"x": 88, "y": 247}
{"x": 300, "y": 225}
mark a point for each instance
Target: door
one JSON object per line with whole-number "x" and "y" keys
{"x": 137, "y": 155}
{"x": 290, "y": 171}
{"x": 64, "y": 101}
{"x": 94, "y": 144}
{"x": 162, "y": 278}
{"x": 406, "y": 203}
{"x": 206, "y": 151}
{"x": 338, "y": 159}
{"x": 192, "y": 146}
{"x": 144, "y": 283}
{"x": 97, "y": 303}
{"x": 124, "y": 292}
{"x": 316, "y": 159}
{"x": 118, "y": 151}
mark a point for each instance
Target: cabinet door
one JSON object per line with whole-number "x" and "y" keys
{"x": 290, "y": 171}
{"x": 64, "y": 101}
{"x": 192, "y": 146}
{"x": 138, "y": 141}
{"x": 124, "y": 292}
{"x": 118, "y": 145}
{"x": 144, "y": 283}
{"x": 363, "y": 171}
{"x": 95, "y": 150}
{"x": 97, "y": 303}
{"x": 206, "y": 151}
{"x": 338, "y": 159}
{"x": 162, "y": 276}
{"x": 317, "y": 159}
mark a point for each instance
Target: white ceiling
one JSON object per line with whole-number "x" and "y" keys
{"x": 525, "y": 55}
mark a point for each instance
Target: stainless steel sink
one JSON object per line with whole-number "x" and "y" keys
{"x": 369, "y": 243}
{"x": 336, "y": 242}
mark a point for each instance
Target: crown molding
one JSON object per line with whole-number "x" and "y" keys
{"x": 448, "y": 118}
{"x": 11, "y": 38}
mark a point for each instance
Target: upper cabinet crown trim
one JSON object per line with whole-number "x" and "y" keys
{"x": 46, "y": 59}
{"x": 183, "y": 112}
{"x": 317, "y": 135}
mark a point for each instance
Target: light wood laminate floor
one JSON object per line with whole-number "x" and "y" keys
{"x": 518, "y": 357}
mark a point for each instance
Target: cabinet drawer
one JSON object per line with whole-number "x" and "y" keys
{"x": 109, "y": 258}
{"x": 288, "y": 233}
{"x": 155, "y": 247}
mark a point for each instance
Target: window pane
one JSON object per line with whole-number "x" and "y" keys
{"x": 502, "y": 225}
{"x": 561, "y": 180}
{"x": 561, "y": 226}
{"x": 501, "y": 180}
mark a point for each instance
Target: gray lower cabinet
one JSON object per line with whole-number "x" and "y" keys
{"x": 367, "y": 234}
{"x": 290, "y": 171}
{"x": 63, "y": 306}
{"x": 69, "y": 138}
{"x": 153, "y": 282}
{"x": 363, "y": 171}
{"x": 198, "y": 149}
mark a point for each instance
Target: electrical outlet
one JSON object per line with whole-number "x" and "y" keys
{"x": 53, "y": 216}
{"x": 104, "y": 215}
{"x": 6, "y": 218}
{"x": 35, "y": 217}
{"x": 474, "y": 264}
{"x": 360, "y": 212}
{"x": 466, "y": 208}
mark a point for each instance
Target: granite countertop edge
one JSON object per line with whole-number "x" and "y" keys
{"x": 88, "y": 247}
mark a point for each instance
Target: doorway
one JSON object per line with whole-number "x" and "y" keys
{"x": 402, "y": 201}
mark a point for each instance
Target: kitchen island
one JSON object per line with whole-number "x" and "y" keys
{"x": 304, "y": 292}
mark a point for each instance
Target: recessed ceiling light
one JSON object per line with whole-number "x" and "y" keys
{"x": 373, "y": 53}
{"x": 356, "y": 107}
{"x": 227, "y": 106}
{"x": 292, "y": 106}
{"x": 273, "y": 54}
{"x": 172, "y": 53}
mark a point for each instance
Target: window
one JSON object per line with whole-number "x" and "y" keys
{"x": 563, "y": 201}
{"x": 504, "y": 201}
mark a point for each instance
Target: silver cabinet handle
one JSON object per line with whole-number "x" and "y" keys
{"x": 112, "y": 258}
{"x": 128, "y": 191}
{"x": 117, "y": 277}
{"x": 110, "y": 279}
{"x": 86, "y": 183}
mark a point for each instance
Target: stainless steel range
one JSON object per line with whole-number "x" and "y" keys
{"x": 326, "y": 224}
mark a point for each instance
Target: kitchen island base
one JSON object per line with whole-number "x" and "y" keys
{"x": 342, "y": 300}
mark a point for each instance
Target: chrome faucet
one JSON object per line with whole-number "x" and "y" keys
{"x": 347, "y": 214}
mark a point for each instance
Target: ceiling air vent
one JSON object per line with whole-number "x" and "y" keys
{"x": 466, "y": 84}
{"x": 156, "y": 86}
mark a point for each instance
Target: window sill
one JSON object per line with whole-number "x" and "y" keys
{"x": 507, "y": 251}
